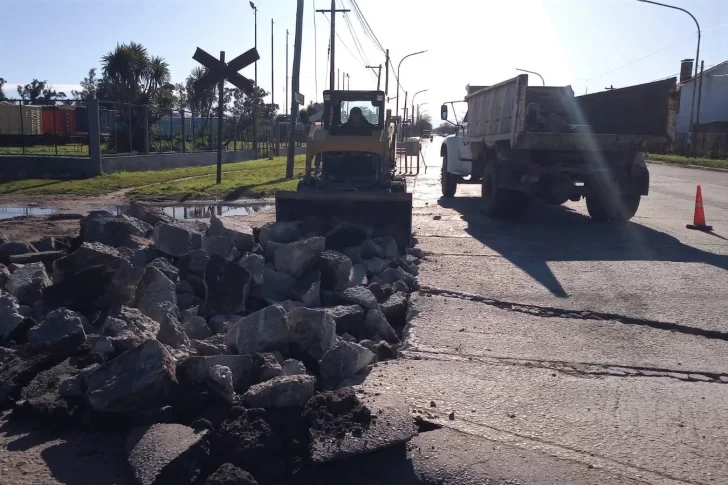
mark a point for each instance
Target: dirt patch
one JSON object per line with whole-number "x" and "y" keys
{"x": 32, "y": 228}
{"x": 337, "y": 413}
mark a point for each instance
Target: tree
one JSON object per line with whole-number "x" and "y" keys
{"x": 2, "y": 93}
{"x": 89, "y": 87}
{"x": 248, "y": 108}
{"x": 445, "y": 129}
{"x": 424, "y": 122}
{"x": 305, "y": 114}
{"x": 131, "y": 75}
{"x": 40, "y": 93}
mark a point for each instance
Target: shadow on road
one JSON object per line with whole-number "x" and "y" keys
{"x": 558, "y": 233}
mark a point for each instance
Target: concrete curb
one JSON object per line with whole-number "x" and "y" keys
{"x": 694, "y": 167}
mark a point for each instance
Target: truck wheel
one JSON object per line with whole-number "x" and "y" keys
{"x": 501, "y": 203}
{"x": 448, "y": 181}
{"x": 612, "y": 208}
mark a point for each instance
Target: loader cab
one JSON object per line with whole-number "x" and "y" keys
{"x": 338, "y": 108}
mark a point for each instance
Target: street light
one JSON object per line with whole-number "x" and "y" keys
{"x": 413, "y": 101}
{"x": 532, "y": 72}
{"x": 697, "y": 59}
{"x": 418, "y": 109}
{"x": 398, "y": 66}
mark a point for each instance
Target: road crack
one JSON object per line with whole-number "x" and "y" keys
{"x": 553, "y": 312}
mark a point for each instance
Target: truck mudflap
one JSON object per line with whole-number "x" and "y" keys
{"x": 385, "y": 213}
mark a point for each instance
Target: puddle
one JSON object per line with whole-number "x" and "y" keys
{"x": 205, "y": 211}
{"x": 176, "y": 211}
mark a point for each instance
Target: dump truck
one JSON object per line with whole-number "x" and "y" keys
{"x": 521, "y": 142}
{"x": 350, "y": 173}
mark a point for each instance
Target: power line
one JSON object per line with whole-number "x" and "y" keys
{"x": 367, "y": 28}
{"x": 357, "y": 43}
{"x": 342, "y": 42}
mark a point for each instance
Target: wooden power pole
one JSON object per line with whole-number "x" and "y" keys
{"x": 294, "y": 89}
{"x": 287, "y": 98}
{"x": 333, "y": 11}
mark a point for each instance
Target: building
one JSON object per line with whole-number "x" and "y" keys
{"x": 714, "y": 96}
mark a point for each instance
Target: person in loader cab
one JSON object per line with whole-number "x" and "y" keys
{"x": 356, "y": 125}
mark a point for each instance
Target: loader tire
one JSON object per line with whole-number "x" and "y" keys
{"x": 448, "y": 181}
{"x": 500, "y": 203}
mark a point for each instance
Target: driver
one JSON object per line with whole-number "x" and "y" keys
{"x": 356, "y": 125}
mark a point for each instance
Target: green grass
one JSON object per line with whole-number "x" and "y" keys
{"x": 682, "y": 160}
{"x": 73, "y": 150}
{"x": 257, "y": 177}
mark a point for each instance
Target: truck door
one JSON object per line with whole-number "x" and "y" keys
{"x": 463, "y": 146}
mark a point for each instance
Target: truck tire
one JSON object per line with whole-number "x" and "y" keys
{"x": 500, "y": 203}
{"x": 448, "y": 181}
{"x": 612, "y": 208}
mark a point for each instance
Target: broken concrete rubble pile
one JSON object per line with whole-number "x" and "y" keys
{"x": 197, "y": 336}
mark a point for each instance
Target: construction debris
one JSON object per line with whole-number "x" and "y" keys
{"x": 215, "y": 345}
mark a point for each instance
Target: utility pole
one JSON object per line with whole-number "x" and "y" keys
{"x": 379, "y": 75}
{"x": 272, "y": 78}
{"x": 287, "y": 98}
{"x": 386, "y": 73}
{"x": 348, "y": 81}
{"x": 294, "y": 88}
{"x": 338, "y": 79}
{"x": 220, "y": 112}
{"x": 255, "y": 117}
{"x": 333, "y": 12}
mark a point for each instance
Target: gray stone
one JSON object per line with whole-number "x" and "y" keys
{"x": 137, "y": 379}
{"x": 407, "y": 278}
{"x": 102, "y": 227}
{"x": 265, "y": 367}
{"x": 380, "y": 291}
{"x": 411, "y": 260}
{"x": 389, "y": 276}
{"x": 376, "y": 323}
{"x": 195, "y": 326}
{"x": 166, "y": 453}
{"x": 45, "y": 257}
{"x": 410, "y": 268}
{"x": 353, "y": 253}
{"x": 263, "y": 331}
{"x": 103, "y": 346}
{"x": 308, "y": 290}
{"x": 358, "y": 275}
{"x": 171, "y": 332}
{"x": 86, "y": 256}
{"x": 193, "y": 262}
{"x": 359, "y": 295}
{"x": 270, "y": 250}
{"x": 3, "y": 238}
{"x": 220, "y": 245}
{"x": 129, "y": 328}
{"x": 389, "y": 246}
{"x": 313, "y": 331}
{"x": 416, "y": 252}
{"x": 4, "y": 275}
{"x": 124, "y": 282}
{"x": 370, "y": 249}
{"x": 243, "y": 241}
{"x": 149, "y": 214}
{"x": 348, "y": 318}
{"x": 10, "y": 316}
{"x": 214, "y": 345}
{"x": 167, "y": 269}
{"x": 282, "y": 232}
{"x": 175, "y": 240}
{"x": 222, "y": 323}
{"x": 185, "y": 301}
{"x": 61, "y": 331}
{"x": 228, "y": 285}
{"x": 348, "y": 337}
{"x": 400, "y": 287}
{"x": 335, "y": 270}
{"x": 375, "y": 265}
{"x": 276, "y": 286}
{"x": 14, "y": 247}
{"x": 343, "y": 360}
{"x": 27, "y": 283}
{"x": 296, "y": 258}
{"x": 395, "y": 310}
{"x": 46, "y": 243}
{"x": 228, "y": 474}
{"x": 254, "y": 263}
{"x": 220, "y": 380}
{"x": 293, "y": 367}
{"x": 156, "y": 296}
{"x": 196, "y": 369}
{"x": 71, "y": 386}
{"x": 281, "y": 392}
{"x": 346, "y": 234}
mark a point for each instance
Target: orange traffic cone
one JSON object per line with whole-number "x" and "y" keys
{"x": 699, "y": 217}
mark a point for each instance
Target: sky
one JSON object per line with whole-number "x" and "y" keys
{"x": 588, "y": 44}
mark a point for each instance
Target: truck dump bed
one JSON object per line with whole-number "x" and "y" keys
{"x": 640, "y": 117}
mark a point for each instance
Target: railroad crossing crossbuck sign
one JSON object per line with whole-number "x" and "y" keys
{"x": 218, "y": 70}
{"x": 217, "y": 73}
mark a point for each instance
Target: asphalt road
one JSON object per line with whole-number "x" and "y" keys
{"x": 570, "y": 351}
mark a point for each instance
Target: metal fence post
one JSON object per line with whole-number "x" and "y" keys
{"x": 235, "y": 134}
{"x": 184, "y": 138}
{"x": 22, "y": 128}
{"x": 94, "y": 134}
{"x": 146, "y": 129}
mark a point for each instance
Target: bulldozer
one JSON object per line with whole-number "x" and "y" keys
{"x": 350, "y": 174}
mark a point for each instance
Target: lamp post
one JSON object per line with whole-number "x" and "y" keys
{"x": 412, "y": 114}
{"x": 697, "y": 61}
{"x": 400, "y": 65}
{"x": 533, "y": 72}
{"x": 255, "y": 121}
{"x": 418, "y": 109}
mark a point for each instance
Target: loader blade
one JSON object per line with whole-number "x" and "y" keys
{"x": 384, "y": 212}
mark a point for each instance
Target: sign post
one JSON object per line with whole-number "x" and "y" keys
{"x": 217, "y": 73}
